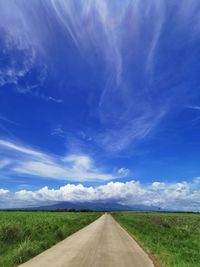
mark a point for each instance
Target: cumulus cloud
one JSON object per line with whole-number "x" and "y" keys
{"x": 158, "y": 185}
{"x": 3, "y": 192}
{"x": 29, "y": 161}
{"x": 174, "y": 196}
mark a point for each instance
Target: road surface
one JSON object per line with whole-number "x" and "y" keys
{"x": 103, "y": 243}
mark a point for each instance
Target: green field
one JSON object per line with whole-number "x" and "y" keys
{"x": 25, "y": 234}
{"x": 172, "y": 238}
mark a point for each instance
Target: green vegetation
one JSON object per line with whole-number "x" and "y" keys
{"x": 173, "y": 238}
{"x": 24, "y": 234}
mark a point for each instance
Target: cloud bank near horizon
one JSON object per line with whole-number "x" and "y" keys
{"x": 183, "y": 196}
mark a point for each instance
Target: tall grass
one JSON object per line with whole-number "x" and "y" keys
{"x": 173, "y": 238}
{"x": 25, "y": 234}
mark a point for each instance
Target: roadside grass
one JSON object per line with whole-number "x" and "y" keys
{"x": 24, "y": 234}
{"x": 172, "y": 238}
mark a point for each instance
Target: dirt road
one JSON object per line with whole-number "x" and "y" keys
{"x": 104, "y": 243}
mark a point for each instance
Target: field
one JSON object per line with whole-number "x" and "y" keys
{"x": 25, "y": 234}
{"x": 172, "y": 238}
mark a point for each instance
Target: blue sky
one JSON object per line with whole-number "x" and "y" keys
{"x": 100, "y": 99}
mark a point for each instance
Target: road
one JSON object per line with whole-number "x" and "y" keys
{"x": 103, "y": 243}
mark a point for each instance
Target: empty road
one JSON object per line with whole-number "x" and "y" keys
{"x": 103, "y": 243}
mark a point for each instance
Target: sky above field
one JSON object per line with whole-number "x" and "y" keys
{"x": 100, "y": 100}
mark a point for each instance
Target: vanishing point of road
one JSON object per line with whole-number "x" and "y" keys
{"x": 103, "y": 243}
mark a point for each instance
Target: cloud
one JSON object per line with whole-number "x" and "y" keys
{"x": 58, "y": 131}
{"x": 79, "y": 161}
{"x": 56, "y": 100}
{"x": 115, "y": 140}
{"x": 28, "y": 161}
{"x": 21, "y": 41}
{"x": 6, "y": 120}
{"x": 13, "y": 72}
{"x": 16, "y": 72}
{"x": 3, "y": 192}
{"x": 21, "y": 54}
{"x": 195, "y": 107}
{"x": 4, "y": 163}
{"x": 125, "y": 115}
{"x": 18, "y": 148}
{"x": 94, "y": 25}
{"x": 5, "y": 124}
{"x": 158, "y": 185}
{"x": 123, "y": 172}
{"x": 106, "y": 31}
{"x": 175, "y": 196}
{"x": 126, "y": 39}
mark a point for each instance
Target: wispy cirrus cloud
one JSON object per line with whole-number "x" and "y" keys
{"x": 5, "y": 124}
{"x": 125, "y": 115}
{"x": 58, "y": 131}
{"x": 195, "y": 107}
{"x": 115, "y": 140}
{"x": 182, "y": 195}
{"x": 106, "y": 30}
{"x": 22, "y": 51}
{"x": 24, "y": 160}
{"x": 125, "y": 38}
{"x": 4, "y": 163}
{"x": 6, "y": 120}
{"x": 18, "y": 148}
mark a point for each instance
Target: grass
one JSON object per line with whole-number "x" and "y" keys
{"x": 173, "y": 238}
{"x": 25, "y": 234}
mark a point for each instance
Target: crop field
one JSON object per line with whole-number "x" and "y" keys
{"x": 172, "y": 238}
{"x": 25, "y": 234}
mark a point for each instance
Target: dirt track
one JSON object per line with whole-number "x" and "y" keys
{"x": 104, "y": 243}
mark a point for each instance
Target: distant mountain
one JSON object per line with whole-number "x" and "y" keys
{"x": 98, "y": 206}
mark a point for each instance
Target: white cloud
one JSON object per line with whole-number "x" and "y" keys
{"x": 56, "y": 100}
{"x": 10, "y": 145}
{"x": 6, "y": 120}
{"x": 79, "y": 161}
{"x": 13, "y": 72}
{"x": 3, "y": 192}
{"x": 29, "y": 161}
{"x": 158, "y": 185}
{"x": 61, "y": 172}
{"x": 128, "y": 107}
{"x": 123, "y": 172}
{"x": 22, "y": 36}
{"x": 174, "y": 196}
{"x": 58, "y": 131}
{"x": 114, "y": 140}
{"x": 195, "y": 107}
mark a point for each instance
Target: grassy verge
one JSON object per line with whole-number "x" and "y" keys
{"x": 26, "y": 234}
{"x": 173, "y": 238}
